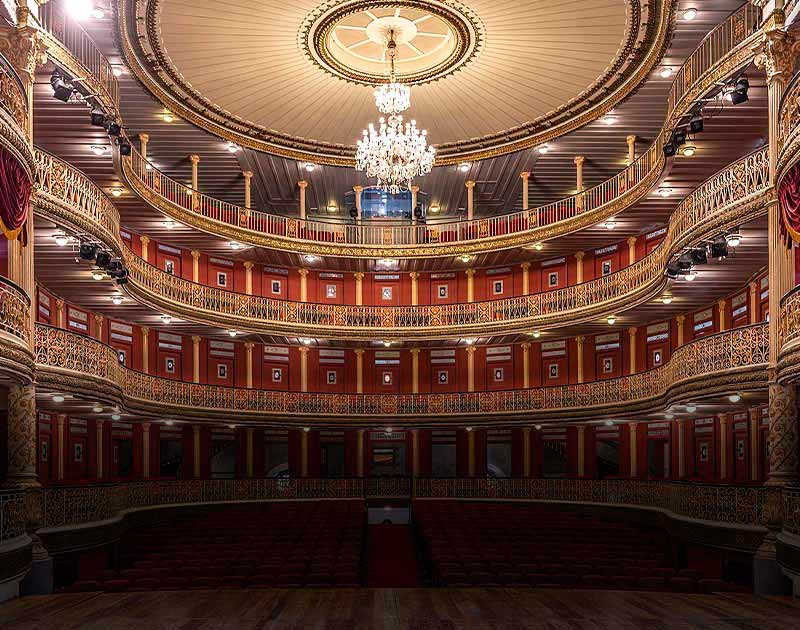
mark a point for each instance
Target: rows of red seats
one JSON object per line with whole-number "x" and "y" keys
{"x": 265, "y": 545}
{"x": 507, "y": 544}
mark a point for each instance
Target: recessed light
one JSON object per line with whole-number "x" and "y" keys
{"x": 98, "y": 149}
{"x": 468, "y": 429}
{"x": 691, "y": 408}
{"x": 332, "y": 208}
{"x": 98, "y": 274}
{"x": 538, "y": 246}
{"x": 116, "y": 71}
{"x": 231, "y": 426}
{"x": 116, "y": 299}
{"x": 611, "y": 319}
{"x": 665, "y": 72}
{"x": 465, "y": 258}
{"x": 543, "y": 148}
{"x": 61, "y": 239}
{"x": 689, "y": 14}
{"x": 310, "y": 258}
{"x": 667, "y": 299}
{"x": 116, "y": 416}
{"x": 167, "y": 117}
{"x": 166, "y": 318}
{"x": 232, "y": 333}
{"x": 234, "y": 245}
{"x": 469, "y": 341}
{"x": 232, "y": 147}
{"x": 169, "y": 423}
{"x": 690, "y": 277}
{"x": 734, "y": 239}
{"x": 609, "y": 119}
{"x": 734, "y": 398}
{"x": 97, "y": 409}
{"x": 306, "y": 429}
{"x": 116, "y": 192}
{"x": 305, "y": 341}
{"x": 388, "y": 429}
{"x": 536, "y": 334}
{"x": 689, "y": 150}
{"x": 170, "y": 224}
{"x": 610, "y": 224}
{"x": 58, "y": 398}
{"x": 669, "y": 416}
{"x": 434, "y": 209}
{"x": 537, "y": 427}
{"x": 387, "y": 343}
{"x": 665, "y": 192}
{"x": 310, "y": 166}
{"x": 464, "y": 167}
{"x": 609, "y": 423}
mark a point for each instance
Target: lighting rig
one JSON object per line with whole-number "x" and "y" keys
{"x": 684, "y": 265}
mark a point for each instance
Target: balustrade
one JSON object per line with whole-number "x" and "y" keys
{"x": 12, "y": 514}
{"x": 14, "y": 311}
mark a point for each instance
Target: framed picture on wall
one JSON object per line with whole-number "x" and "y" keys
{"x": 740, "y": 449}
{"x": 657, "y": 357}
{"x": 121, "y": 357}
{"x": 277, "y": 375}
{"x": 222, "y": 279}
{"x": 78, "y": 452}
{"x": 222, "y": 370}
{"x": 608, "y": 365}
{"x": 552, "y": 279}
{"x": 330, "y": 377}
{"x": 330, "y": 291}
{"x": 498, "y": 375}
{"x": 606, "y": 267}
{"x": 276, "y": 287}
{"x": 45, "y": 451}
{"x": 497, "y": 287}
{"x": 169, "y": 267}
{"x": 386, "y": 293}
{"x": 443, "y": 377}
{"x": 442, "y": 291}
{"x": 552, "y": 370}
{"x": 704, "y": 451}
{"x": 386, "y": 378}
{"x": 170, "y": 365}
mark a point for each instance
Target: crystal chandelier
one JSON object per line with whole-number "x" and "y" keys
{"x": 396, "y": 151}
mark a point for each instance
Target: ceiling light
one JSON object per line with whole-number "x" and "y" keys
{"x": 306, "y": 429}
{"x": 465, "y": 258}
{"x": 170, "y": 224}
{"x": 669, "y": 416}
{"x": 310, "y": 258}
{"x": 688, "y": 151}
{"x": 734, "y": 398}
{"x": 690, "y": 277}
{"x": 536, "y": 334}
{"x": 116, "y": 71}
{"x": 434, "y": 209}
{"x": 544, "y": 148}
{"x": 167, "y": 117}
{"x": 689, "y": 14}
{"x": 98, "y": 13}
{"x": 733, "y": 239}
{"x": 609, "y": 423}
{"x": 538, "y": 246}
{"x": 61, "y": 239}
{"x": 58, "y": 398}
{"x": 468, "y": 429}
{"x": 665, "y": 72}
{"x": 97, "y": 408}
{"x": 234, "y": 245}
{"x": 233, "y": 147}
{"x": 667, "y": 299}
{"x": 98, "y": 274}
{"x": 611, "y": 320}
{"x": 98, "y": 149}
{"x": 469, "y": 341}
{"x": 388, "y": 430}
{"x": 332, "y": 208}
{"x": 231, "y": 426}
{"x": 305, "y": 341}
{"x": 464, "y": 167}
{"x": 608, "y": 119}
{"x": 537, "y": 427}
{"x": 387, "y": 343}
{"x": 691, "y": 408}
{"x": 80, "y": 9}
{"x": 665, "y": 192}
{"x": 116, "y": 192}
{"x": 610, "y": 224}
{"x": 309, "y": 166}
{"x": 116, "y": 416}
{"x": 169, "y": 423}
{"x": 117, "y": 299}
{"x": 166, "y": 318}
{"x": 232, "y": 333}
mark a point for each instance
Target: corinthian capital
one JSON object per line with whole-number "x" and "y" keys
{"x": 24, "y": 48}
{"x": 777, "y": 53}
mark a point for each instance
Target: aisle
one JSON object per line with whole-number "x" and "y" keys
{"x": 391, "y": 556}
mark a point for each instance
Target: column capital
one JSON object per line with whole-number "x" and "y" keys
{"x": 249, "y": 345}
{"x": 580, "y": 339}
{"x": 144, "y": 137}
{"x": 247, "y": 174}
{"x": 25, "y": 49}
{"x": 631, "y": 241}
{"x": 415, "y": 351}
{"x": 145, "y": 427}
{"x": 469, "y": 184}
{"x": 194, "y": 158}
{"x": 144, "y": 239}
{"x": 753, "y": 286}
{"x": 302, "y": 183}
{"x": 579, "y": 160}
{"x": 303, "y": 349}
{"x": 525, "y": 345}
{"x": 359, "y": 275}
{"x": 195, "y": 255}
{"x": 723, "y": 418}
{"x": 581, "y": 428}
{"x": 145, "y": 331}
{"x": 196, "y": 339}
{"x": 471, "y": 349}
{"x": 358, "y": 189}
{"x": 632, "y": 331}
{"x": 525, "y": 175}
{"x": 99, "y": 423}
{"x": 303, "y": 272}
{"x": 680, "y": 319}
{"x": 525, "y": 266}
{"x": 414, "y": 189}
{"x": 413, "y": 275}
{"x": 777, "y": 50}
{"x": 249, "y": 264}
{"x": 359, "y": 352}
{"x": 579, "y": 256}
{"x": 630, "y": 139}
{"x": 721, "y": 304}
{"x": 59, "y": 303}
{"x": 469, "y": 272}
{"x": 99, "y": 319}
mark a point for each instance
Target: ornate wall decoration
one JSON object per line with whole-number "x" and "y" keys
{"x": 22, "y": 435}
{"x": 784, "y": 433}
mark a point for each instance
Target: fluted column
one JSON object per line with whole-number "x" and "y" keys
{"x": 146, "y": 450}
{"x": 415, "y": 370}
{"x": 98, "y": 326}
{"x": 681, "y": 449}
{"x": 60, "y": 434}
{"x": 21, "y": 437}
{"x": 248, "y": 277}
{"x": 632, "y": 345}
{"x": 250, "y": 468}
{"x": 680, "y": 319}
{"x": 248, "y": 349}
{"x": 195, "y": 266}
{"x": 359, "y": 452}
{"x": 632, "y": 447}
{"x": 526, "y": 278}
{"x": 470, "y": 199}
{"x": 414, "y": 288}
{"x": 303, "y": 284}
{"x": 248, "y": 176}
{"x": 99, "y": 424}
{"x": 579, "y": 341}
{"x": 302, "y": 184}
{"x": 631, "y": 149}
{"x": 195, "y": 163}
{"x": 146, "y": 350}
{"x": 579, "y": 160}
{"x": 752, "y": 307}
{"x": 60, "y": 316}
{"x": 470, "y": 273}
{"x": 579, "y": 267}
{"x": 525, "y": 176}
{"x": 359, "y": 370}
{"x": 526, "y": 365}
{"x": 358, "y": 190}
{"x": 754, "y": 418}
{"x": 195, "y": 359}
{"x": 359, "y": 276}
{"x": 144, "y": 138}
{"x": 631, "y": 250}
{"x": 145, "y": 240}
{"x": 471, "y": 368}
{"x": 415, "y": 452}
{"x": 414, "y": 190}
{"x": 303, "y": 369}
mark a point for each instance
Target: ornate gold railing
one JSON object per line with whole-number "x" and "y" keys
{"x": 14, "y": 311}
{"x": 12, "y": 514}
{"x": 76, "y": 361}
{"x": 67, "y": 195}
{"x": 72, "y": 49}
{"x": 728, "y": 504}
{"x": 14, "y": 122}
{"x": 732, "y": 196}
{"x": 791, "y": 510}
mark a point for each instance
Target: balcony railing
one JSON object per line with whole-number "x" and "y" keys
{"x": 13, "y": 107}
{"x": 86, "y": 360}
{"x": 12, "y": 514}
{"x": 14, "y": 312}
{"x": 733, "y": 196}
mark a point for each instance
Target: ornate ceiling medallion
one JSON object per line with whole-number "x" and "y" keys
{"x": 434, "y": 39}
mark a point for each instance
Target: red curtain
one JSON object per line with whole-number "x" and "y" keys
{"x": 789, "y": 196}
{"x": 15, "y": 196}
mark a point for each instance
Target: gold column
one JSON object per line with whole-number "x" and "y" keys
{"x": 98, "y": 326}
{"x": 146, "y": 450}
{"x": 723, "y": 442}
{"x": 359, "y": 452}
{"x": 579, "y": 160}
{"x": 471, "y": 368}
{"x": 359, "y": 370}
{"x": 723, "y": 325}
{"x": 248, "y": 176}
{"x": 303, "y": 284}
{"x": 248, "y": 277}
{"x": 470, "y": 199}
{"x": 754, "y": 417}
{"x": 415, "y": 452}
{"x": 249, "y": 446}
{"x": 304, "y": 453}
{"x": 581, "y": 450}
{"x": 146, "y": 350}
{"x": 579, "y": 267}
{"x": 359, "y": 276}
{"x": 579, "y": 341}
{"x": 303, "y": 184}
{"x": 414, "y": 288}
{"x": 248, "y": 348}
{"x": 526, "y": 279}
{"x": 415, "y": 370}
{"x": 145, "y": 240}
{"x": 470, "y": 453}
{"x": 196, "y": 447}
{"x": 525, "y": 175}
{"x": 680, "y": 319}
{"x": 60, "y": 318}
{"x": 358, "y": 190}
{"x": 144, "y": 138}
{"x": 414, "y": 190}
{"x": 632, "y": 344}
{"x": 195, "y": 266}
{"x": 195, "y": 359}
{"x": 99, "y": 437}
{"x": 20, "y": 428}
{"x": 634, "y": 471}
{"x": 303, "y": 368}
{"x": 195, "y": 162}
{"x": 526, "y": 452}
{"x": 631, "y": 149}
{"x": 470, "y": 285}
{"x": 631, "y": 250}
{"x": 681, "y": 449}
{"x": 62, "y": 451}
{"x": 526, "y": 365}
{"x": 753, "y": 306}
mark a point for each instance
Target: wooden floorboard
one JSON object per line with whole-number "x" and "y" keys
{"x": 398, "y": 609}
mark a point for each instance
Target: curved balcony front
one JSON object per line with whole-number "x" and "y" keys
{"x": 16, "y": 357}
{"x": 14, "y": 117}
{"x": 726, "y": 49}
{"x": 734, "y": 360}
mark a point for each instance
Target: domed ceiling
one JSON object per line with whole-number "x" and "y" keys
{"x": 296, "y": 78}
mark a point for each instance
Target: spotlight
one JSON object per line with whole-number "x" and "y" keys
{"x": 116, "y": 299}
{"x": 98, "y": 274}
{"x": 679, "y": 137}
{"x": 116, "y": 192}
{"x": 734, "y": 398}
{"x": 62, "y": 89}
{"x": 87, "y": 251}
{"x": 611, "y": 320}
{"x": 544, "y": 148}
{"x": 672, "y": 270}
{"x": 689, "y": 150}
{"x": 696, "y": 124}
{"x": 99, "y": 149}
{"x": 103, "y": 259}
{"x": 669, "y": 149}
{"x": 166, "y": 318}
{"x": 98, "y": 117}
{"x": 464, "y": 167}
{"x": 434, "y": 209}
{"x": 689, "y": 14}
{"x": 739, "y": 93}
{"x": 61, "y": 239}
{"x": 113, "y": 128}
{"x": 734, "y": 239}
{"x": 310, "y": 166}
{"x": 124, "y": 146}
{"x": 698, "y": 256}
{"x": 666, "y": 72}
{"x": 690, "y": 277}
{"x": 719, "y": 248}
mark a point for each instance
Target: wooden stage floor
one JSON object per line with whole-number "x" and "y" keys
{"x": 397, "y": 609}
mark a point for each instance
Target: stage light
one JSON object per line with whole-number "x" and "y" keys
{"x": 87, "y": 251}
{"x": 734, "y": 398}
{"x": 696, "y": 124}
{"x": 98, "y": 117}
{"x": 103, "y": 259}
{"x": 669, "y": 149}
{"x": 611, "y": 320}
{"x": 734, "y": 239}
{"x": 689, "y": 150}
{"x": 166, "y": 318}
{"x": 98, "y": 274}
{"x": 113, "y": 128}
{"x": 116, "y": 299}
{"x": 739, "y": 93}
{"x": 679, "y": 137}
{"x": 699, "y": 256}
{"x": 666, "y": 72}
{"x": 62, "y": 89}
{"x": 719, "y": 248}
{"x": 464, "y": 167}
{"x": 684, "y": 263}
{"x": 689, "y": 14}
{"x": 124, "y": 146}
{"x": 672, "y": 270}
{"x": 61, "y": 239}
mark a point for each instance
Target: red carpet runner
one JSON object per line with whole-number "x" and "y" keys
{"x": 392, "y": 556}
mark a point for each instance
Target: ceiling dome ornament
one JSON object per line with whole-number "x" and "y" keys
{"x": 396, "y": 152}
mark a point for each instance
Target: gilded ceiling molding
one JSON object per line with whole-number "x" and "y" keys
{"x": 647, "y": 39}
{"x": 734, "y": 360}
